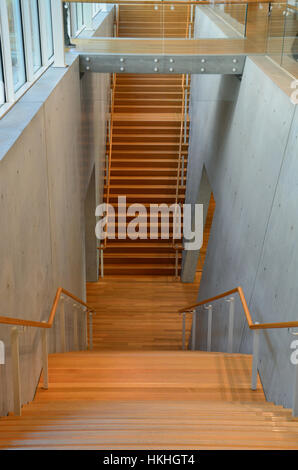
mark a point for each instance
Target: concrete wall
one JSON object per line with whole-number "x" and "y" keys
{"x": 90, "y": 238}
{"x": 246, "y": 135}
{"x": 46, "y": 160}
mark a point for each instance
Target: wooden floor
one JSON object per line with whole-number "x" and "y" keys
{"x": 149, "y": 400}
{"x": 139, "y": 312}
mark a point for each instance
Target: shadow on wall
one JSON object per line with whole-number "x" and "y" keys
{"x": 223, "y": 118}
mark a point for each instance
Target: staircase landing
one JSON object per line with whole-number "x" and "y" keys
{"x": 139, "y": 312}
{"x": 150, "y": 400}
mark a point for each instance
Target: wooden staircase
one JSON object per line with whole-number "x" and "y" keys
{"x": 149, "y": 400}
{"x": 146, "y": 136}
{"x": 153, "y": 21}
{"x": 147, "y": 115}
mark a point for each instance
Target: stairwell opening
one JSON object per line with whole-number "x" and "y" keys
{"x": 207, "y": 230}
{"x": 193, "y": 262}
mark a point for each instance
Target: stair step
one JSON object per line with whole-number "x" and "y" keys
{"x": 149, "y": 153}
{"x": 131, "y": 269}
{"x": 146, "y": 138}
{"x": 156, "y": 189}
{"x": 139, "y": 260}
{"x": 143, "y": 248}
{"x": 140, "y": 146}
{"x": 144, "y": 163}
{"x": 151, "y": 198}
{"x": 145, "y": 180}
{"x": 146, "y": 130}
{"x": 117, "y": 172}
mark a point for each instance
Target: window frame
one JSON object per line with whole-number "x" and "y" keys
{"x": 96, "y": 8}
{"x": 75, "y": 28}
{"x": 30, "y": 19}
{"x": 21, "y": 40}
{"x": 32, "y": 76}
{"x": 2, "y": 103}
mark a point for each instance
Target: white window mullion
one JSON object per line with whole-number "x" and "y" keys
{"x": 73, "y": 19}
{"x": 27, "y": 39}
{"x": 88, "y": 15}
{"x": 6, "y": 53}
{"x": 43, "y": 32}
{"x": 58, "y": 33}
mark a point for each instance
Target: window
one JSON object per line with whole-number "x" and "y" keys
{"x": 27, "y": 42}
{"x": 80, "y": 16}
{"x": 26, "y": 46}
{"x": 49, "y": 28}
{"x": 35, "y": 35}
{"x": 96, "y": 7}
{"x": 16, "y": 43}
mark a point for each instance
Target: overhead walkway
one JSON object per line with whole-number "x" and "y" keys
{"x": 168, "y": 31}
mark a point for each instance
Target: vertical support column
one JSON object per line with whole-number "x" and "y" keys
{"x": 58, "y": 33}
{"x": 209, "y": 330}
{"x": 16, "y": 378}
{"x": 183, "y": 331}
{"x": 107, "y": 168}
{"x": 110, "y": 124}
{"x": 85, "y": 316}
{"x": 176, "y": 263}
{"x": 256, "y": 343}
{"x": 185, "y": 111}
{"x": 295, "y": 393}
{"x": 101, "y": 262}
{"x": 90, "y": 331}
{"x": 45, "y": 368}
{"x": 193, "y": 330}
{"x": 75, "y": 328}
{"x": 231, "y": 324}
{"x": 182, "y": 170}
{"x": 62, "y": 326}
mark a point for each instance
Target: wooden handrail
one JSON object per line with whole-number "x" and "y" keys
{"x": 104, "y": 244}
{"x": 49, "y": 323}
{"x": 251, "y": 324}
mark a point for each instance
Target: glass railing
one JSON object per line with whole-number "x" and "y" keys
{"x": 289, "y": 58}
{"x": 205, "y": 27}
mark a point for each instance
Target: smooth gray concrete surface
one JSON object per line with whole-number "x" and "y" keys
{"x": 245, "y": 133}
{"x": 45, "y": 170}
{"x": 92, "y": 264}
{"x": 41, "y": 212}
{"x": 50, "y": 142}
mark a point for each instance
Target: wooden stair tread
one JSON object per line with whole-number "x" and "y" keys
{"x": 174, "y": 117}
{"x": 137, "y": 399}
{"x": 140, "y": 255}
